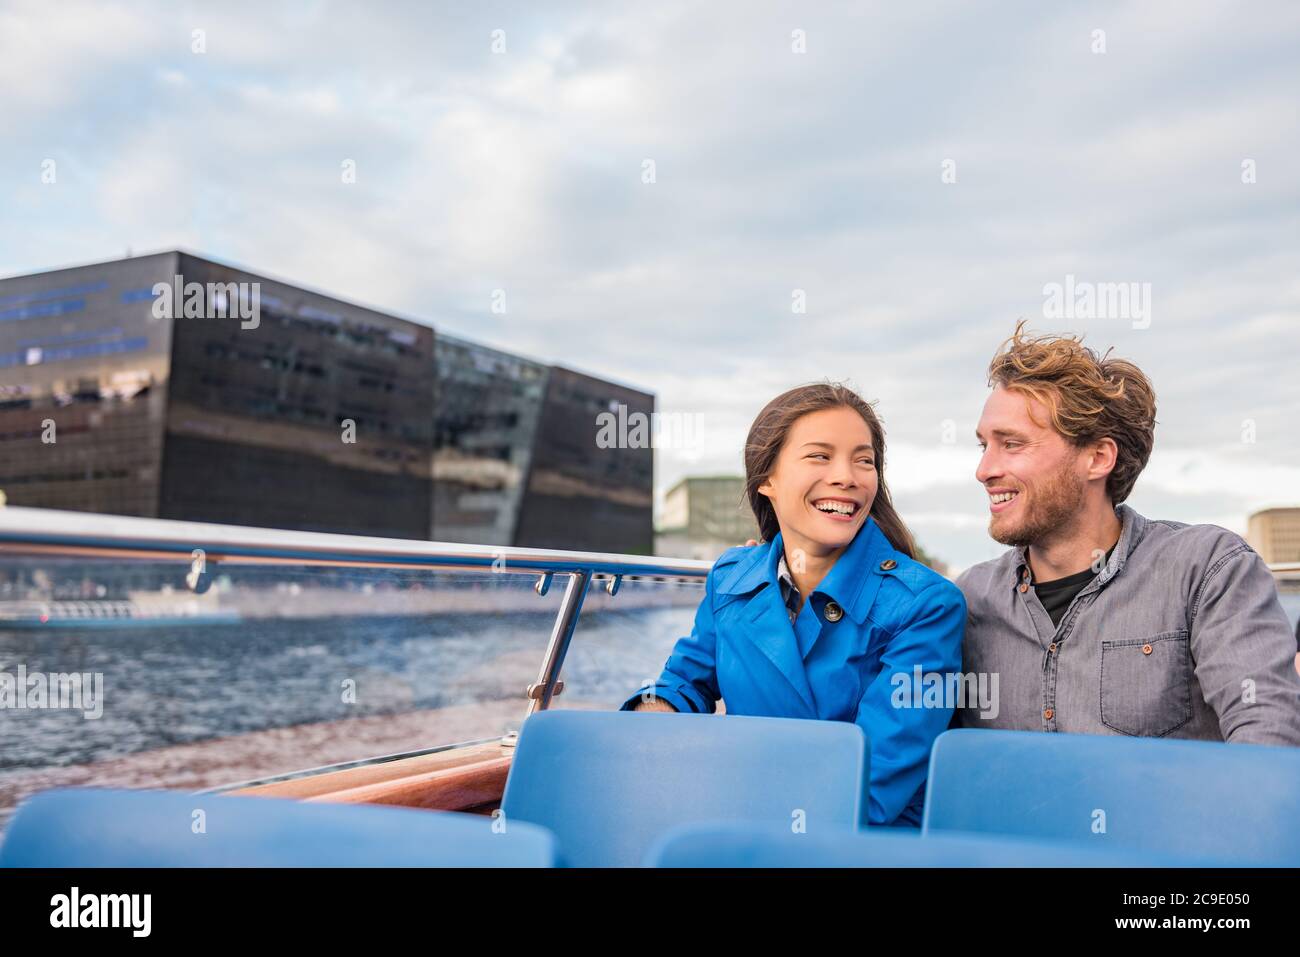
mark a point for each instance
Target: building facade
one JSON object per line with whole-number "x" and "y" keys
{"x": 229, "y": 397}
{"x": 703, "y": 516}
{"x": 1275, "y": 534}
{"x": 580, "y": 491}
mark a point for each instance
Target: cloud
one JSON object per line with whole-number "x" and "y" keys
{"x": 776, "y": 171}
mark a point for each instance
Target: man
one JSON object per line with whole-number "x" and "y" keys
{"x": 1099, "y": 620}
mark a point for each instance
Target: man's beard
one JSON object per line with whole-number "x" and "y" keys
{"x": 1050, "y": 509}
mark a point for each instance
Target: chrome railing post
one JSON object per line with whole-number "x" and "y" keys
{"x": 566, "y": 620}
{"x": 39, "y": 533}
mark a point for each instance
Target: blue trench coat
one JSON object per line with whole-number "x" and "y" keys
{"x": 894, "y": 614}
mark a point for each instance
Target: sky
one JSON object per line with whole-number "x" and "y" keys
{"x": 716, "y": 202}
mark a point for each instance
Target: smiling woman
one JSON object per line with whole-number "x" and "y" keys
{"x": 801, "y": 432}
{"x": 818, "y": 620}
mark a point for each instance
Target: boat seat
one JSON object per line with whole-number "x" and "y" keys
{"x": 609, "y": 783}
{"x": 726, "y": 844}
{"x": 1236, "y": 803}
{"x": 100, "y": 827}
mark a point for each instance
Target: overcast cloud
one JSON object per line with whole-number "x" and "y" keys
{"x": 774, "y": 171}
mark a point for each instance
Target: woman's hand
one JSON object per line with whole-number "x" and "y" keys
{"x": 653, "y": 704}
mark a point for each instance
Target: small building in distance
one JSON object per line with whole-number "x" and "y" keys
{"x": 1275, "y": 534}
{"x": 703, "y": 516}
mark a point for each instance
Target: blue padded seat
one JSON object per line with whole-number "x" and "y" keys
{"x": 609, "y": 783}
{"x": 732, "y": 845}
{"x": 1235, "y": 803}
{"x": 100, "y": 827}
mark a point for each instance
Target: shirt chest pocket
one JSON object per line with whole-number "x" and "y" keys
{"x": 1146, "y": 684}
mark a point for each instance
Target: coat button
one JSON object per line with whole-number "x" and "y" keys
{"x": 1048, "y": 714}
{"x": 833, "y": 611}
{"x": 1023, "y": 588}
{"x": 1146, "y": 649}
{"x": 888, "y": 564}
{"x": 1052, "y": 647}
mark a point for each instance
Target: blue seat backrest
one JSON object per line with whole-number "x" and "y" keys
{"x": 94, "y": 827}
{"x": 609, "y": 783}
{"x": 1235, "y": 803}
{"x": 739, "y": 845}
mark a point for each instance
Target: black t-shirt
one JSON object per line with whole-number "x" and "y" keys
{"x": 1057, "y": 595}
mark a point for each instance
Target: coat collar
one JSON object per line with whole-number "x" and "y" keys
{"x": 849, "y": 583}
{"x": 852, "y": 583}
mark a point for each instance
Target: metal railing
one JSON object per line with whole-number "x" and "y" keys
{"x": 35, "y": 532}
{"x": 31, "y": 532}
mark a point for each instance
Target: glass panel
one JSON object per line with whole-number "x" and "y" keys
{"x": 274, "y": 669}
{"x": 622, "y": 642}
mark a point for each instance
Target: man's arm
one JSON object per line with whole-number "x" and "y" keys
{"x": 1244, "y": 651}
{"x": 963, "y": 716}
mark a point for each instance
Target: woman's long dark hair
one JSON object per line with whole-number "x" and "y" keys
{"x": 769, "y": 432}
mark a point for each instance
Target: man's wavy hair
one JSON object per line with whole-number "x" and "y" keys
{"x": 1089, "y": 397}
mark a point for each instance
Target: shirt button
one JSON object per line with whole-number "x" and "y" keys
{"x": 833, "y": 611}
{"x": 1023, "y": 588}
{"x": 1048, "y": 714}
{"x": 1146, "y": 649}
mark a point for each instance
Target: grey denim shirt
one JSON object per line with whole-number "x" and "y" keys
{"x": 1180, "y": 635}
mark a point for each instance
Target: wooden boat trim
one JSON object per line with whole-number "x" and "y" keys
{"x": 452, "y": 780}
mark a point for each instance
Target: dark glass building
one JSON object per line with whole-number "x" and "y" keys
{"x": 229, "y": 397}
{"x": 484, "y": 424}
{"x": 580, "y": 495}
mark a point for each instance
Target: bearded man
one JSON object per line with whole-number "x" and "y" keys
{"x": 1098, "y": 620}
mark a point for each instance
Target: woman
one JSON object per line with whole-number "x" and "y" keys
{"x": 831, "y": 613}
